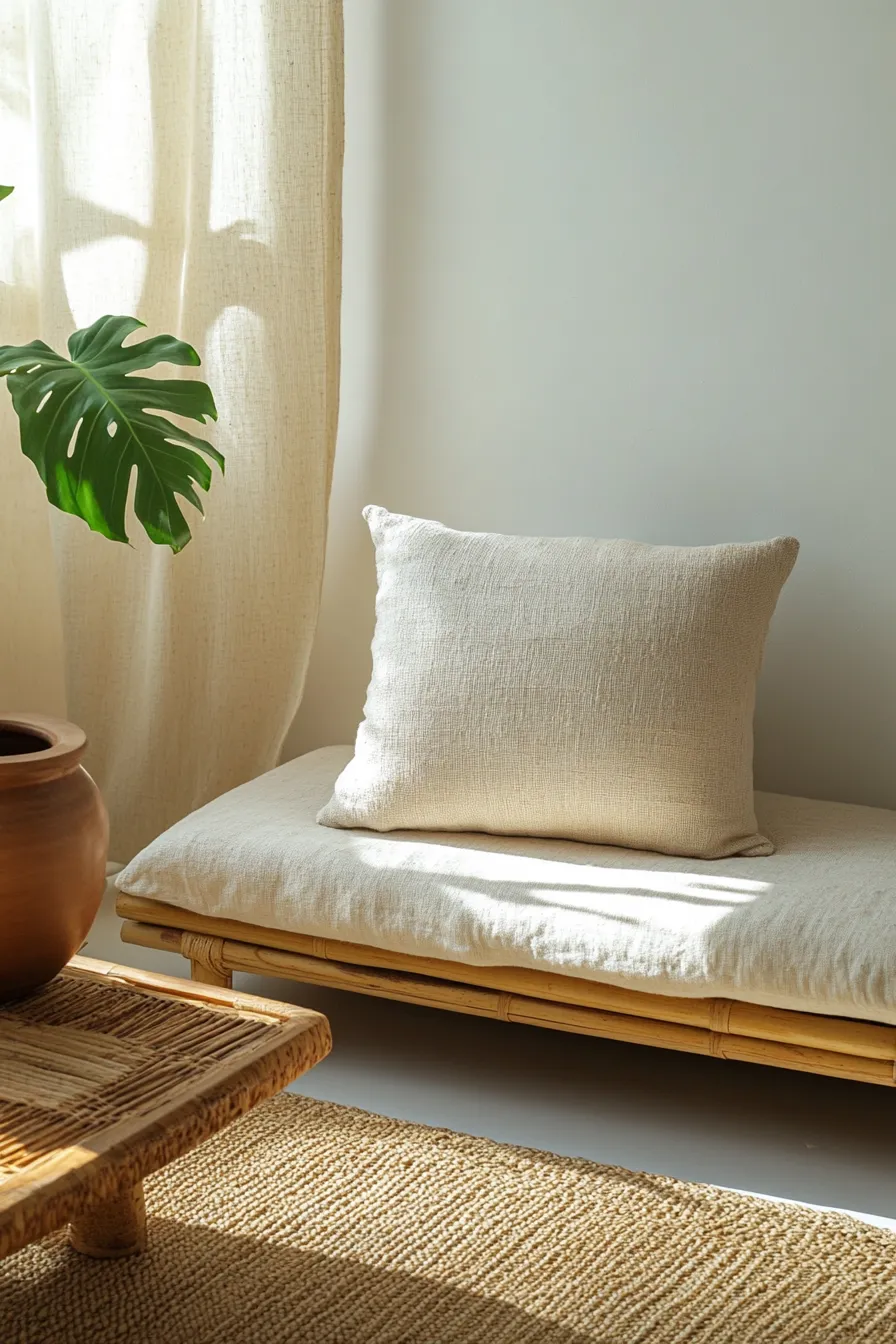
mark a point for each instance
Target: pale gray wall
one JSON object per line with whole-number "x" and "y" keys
{"x": 628, "y": 268}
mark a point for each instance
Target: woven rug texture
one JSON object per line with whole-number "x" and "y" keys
{"x": 310, "y": 1223}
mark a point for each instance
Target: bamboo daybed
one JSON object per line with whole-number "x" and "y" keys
{"x": 788, "y": 960}
{"x": 726, "y": 1028}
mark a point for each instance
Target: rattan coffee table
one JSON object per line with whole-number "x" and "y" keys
{"x": 108, "y": 1073}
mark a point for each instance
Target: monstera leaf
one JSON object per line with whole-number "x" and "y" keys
{"x": 88, "y": 424}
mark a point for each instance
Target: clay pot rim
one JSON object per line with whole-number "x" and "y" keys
{"x": 67, "y": 744}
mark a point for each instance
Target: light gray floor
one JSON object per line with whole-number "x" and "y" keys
{"x": 768, "y": 1131}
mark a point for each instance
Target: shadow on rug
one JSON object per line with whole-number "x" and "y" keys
{"x": 309, "y": 1223}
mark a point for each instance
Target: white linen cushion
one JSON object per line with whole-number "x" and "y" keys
{"x": 561, "y": 686}
{"x": 812, "y": 927}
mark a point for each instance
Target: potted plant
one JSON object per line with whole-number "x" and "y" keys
{"x": 89, "y": 425}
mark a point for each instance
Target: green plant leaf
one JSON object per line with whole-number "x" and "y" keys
{"x": 6, "y": 191}
{"x": 87, "y": 424}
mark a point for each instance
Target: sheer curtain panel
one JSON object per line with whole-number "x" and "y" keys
{"x": 179, "y": 160}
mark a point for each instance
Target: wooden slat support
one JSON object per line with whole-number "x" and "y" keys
{"x": 802, "y": 1045}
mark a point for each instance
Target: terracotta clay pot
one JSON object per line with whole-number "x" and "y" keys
{"x": 53, "y": 838}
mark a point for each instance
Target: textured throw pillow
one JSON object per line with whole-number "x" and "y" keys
{"x": 560, "y": 686}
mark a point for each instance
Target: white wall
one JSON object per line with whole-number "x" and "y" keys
{"x": 628, "y": 268}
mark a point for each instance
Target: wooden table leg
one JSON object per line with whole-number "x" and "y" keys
{"x": 112, "y": 1230}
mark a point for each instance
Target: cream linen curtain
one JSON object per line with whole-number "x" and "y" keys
{"x": 179, "y": 160}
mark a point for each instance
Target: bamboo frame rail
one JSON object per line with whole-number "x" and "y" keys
{"x": 724, "y": 1028}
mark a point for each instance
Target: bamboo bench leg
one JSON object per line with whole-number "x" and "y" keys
{"x": 206, "y": 960}
{"x": 114, "y": 1229}
{"x": 204, "y": 976}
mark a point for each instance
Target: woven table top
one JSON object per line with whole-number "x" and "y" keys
{"x": 107, "y": 1073}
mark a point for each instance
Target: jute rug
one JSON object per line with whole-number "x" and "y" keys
{"x": 308, "y": 1223}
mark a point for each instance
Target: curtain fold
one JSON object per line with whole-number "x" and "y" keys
{"x": 189, "y": 158}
